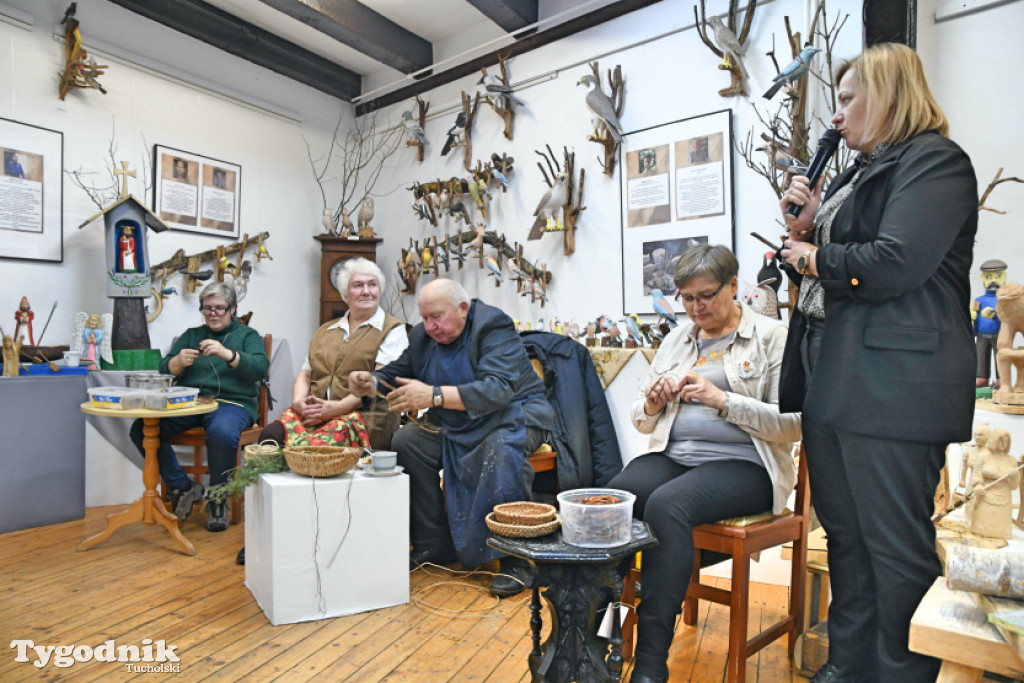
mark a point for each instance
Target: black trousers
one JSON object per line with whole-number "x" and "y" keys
{"x": 673, "y": 499}
{"x": 419, "y": 453}
{"x": 874, "y": 498}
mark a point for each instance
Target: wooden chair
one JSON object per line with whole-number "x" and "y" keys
{"x": 543, "y": 459}
{"x": 196, "y": 438}
{"x": 741, "y": 542}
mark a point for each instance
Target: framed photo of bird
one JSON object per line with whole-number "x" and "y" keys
{"x": 196, "y": 193}
{"x": 31, "y": 194}
{"x": 676, "y": 192}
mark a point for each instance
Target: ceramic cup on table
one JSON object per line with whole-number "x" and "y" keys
{"x": 72, "y": 359}
{"x": 383, "y": 461}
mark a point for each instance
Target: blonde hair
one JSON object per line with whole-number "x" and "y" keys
{"x": 899, "y": 103}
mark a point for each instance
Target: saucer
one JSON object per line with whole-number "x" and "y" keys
{"x": 361, "y": 466}
{"x": 384, "y": 473}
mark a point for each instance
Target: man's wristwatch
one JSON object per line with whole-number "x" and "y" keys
{"x": 438, "y": 398}
{"x": 804, "y": 261}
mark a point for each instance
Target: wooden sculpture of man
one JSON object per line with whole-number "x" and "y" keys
{"x": 1010, "y": 309}
{"x": 969, "y": 464}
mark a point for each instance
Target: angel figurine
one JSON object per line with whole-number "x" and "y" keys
{"x": 92, "y": 338}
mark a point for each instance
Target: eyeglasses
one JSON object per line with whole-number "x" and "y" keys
{"x": 214, "y": 310}
{"x": 689, "y": 300}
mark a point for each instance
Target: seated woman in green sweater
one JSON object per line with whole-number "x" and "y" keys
{"x": 224, "y": 359}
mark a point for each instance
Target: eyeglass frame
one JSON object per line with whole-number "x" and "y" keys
{"x": 218, "y": 310}
{"x": 702, "y": 298}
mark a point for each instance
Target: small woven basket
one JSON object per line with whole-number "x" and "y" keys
{"x": 522, "y": 530}
{"x": 321, "y": 461}
{"x": 261, "y": 450}
{"x": 524, "y": 513}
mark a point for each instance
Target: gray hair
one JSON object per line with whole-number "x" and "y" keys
{"x": 359, "y": 266}
{"x": 451, "y": 290}
{"x": 705, "y": 259}
{"x": 222, "y": 289}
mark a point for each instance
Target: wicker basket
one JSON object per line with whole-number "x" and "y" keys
{"x": 524, "y": 513}
{"x": 321, "y": 461}
{"x": 261, "y": 450}
{"x": 522, "y": 530}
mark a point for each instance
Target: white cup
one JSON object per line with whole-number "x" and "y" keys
{"x": 383, "y": 461}
{"x": 72, "y": 358}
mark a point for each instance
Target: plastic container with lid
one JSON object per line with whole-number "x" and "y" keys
{"x": 117, "y": 398}
{"x": 172, "y": 398}
{"x": 148, "y": 380}
{"x": 603, "y": 525}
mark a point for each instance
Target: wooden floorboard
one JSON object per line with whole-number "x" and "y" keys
{"x": 136, "y": 585}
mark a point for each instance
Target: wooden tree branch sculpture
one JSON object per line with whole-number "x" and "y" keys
{"x": 617, "y": 96}
{"x": 573, "y": 206}
{"x": 492, "y": 239}
{"x": 991, "y": 186}
{"x": 80, "y": 70}
{"x": 730, "y": 62}
{"x": 503, "y": 104}
{"x": 469, "y": 108}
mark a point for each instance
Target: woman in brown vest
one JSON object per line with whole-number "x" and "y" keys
{"x": 323, "y": 412}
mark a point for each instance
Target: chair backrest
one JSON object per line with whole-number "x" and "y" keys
{"x": 264, "y": 403}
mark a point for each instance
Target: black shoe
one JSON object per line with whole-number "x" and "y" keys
{"x": 217, "y": 516}
{"x": 189, "y": 497}
{"x": 514, "y": 577}
{"x": 418, "y": 557}
{"x": 638, "y": 677}
{"x": 240, "y": 558}
{"x": 826, "y": 674}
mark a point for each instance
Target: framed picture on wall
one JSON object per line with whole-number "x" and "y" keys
{"x": 676, "y": 193}
{"x": 196, "y": 193}
{"x": 31, "y": 192}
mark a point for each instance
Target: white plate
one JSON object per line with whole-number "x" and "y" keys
{"x": 385, "y": 473}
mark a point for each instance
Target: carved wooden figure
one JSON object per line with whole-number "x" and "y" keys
{"x": 603, "y": 137}
{"x": 969, "y": 477}
{"x": 573, "y": 206}
{"x": 999, "y": 476}
{"x": 1010, "y": 360}
{"x": 730, "y": 63}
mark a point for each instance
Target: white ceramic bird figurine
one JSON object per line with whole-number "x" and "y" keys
{"x": 550, "y": 203}
{"x": 328, "y": 222}
{"x": 366, "y": 212}
{"x": 728, "y": 43}
{"x": 414, "y": 129}
{"x": 601, "y": 106}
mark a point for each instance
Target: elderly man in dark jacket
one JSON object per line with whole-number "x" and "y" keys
{"x": 465, "y": 363}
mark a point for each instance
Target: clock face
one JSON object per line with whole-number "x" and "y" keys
{"x": 336, "y": 270}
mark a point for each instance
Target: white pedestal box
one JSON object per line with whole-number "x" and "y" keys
{"x": 286, "y": 515}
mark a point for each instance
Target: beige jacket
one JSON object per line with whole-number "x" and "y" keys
{"x": 752, "y": 364}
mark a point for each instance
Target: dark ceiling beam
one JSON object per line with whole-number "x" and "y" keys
{"x": 890, "y": 21}
{"x": 553, "y": 34}
{"x": 242, "y": 39}
{"x": 510, "y": 15}
{"x": 356, "y": 25}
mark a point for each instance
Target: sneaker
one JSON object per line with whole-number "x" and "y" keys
{"x": 217, "y": 516}
{"x": 189, "y": 497}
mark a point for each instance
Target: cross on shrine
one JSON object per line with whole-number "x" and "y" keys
{"x": 124, "y": 172}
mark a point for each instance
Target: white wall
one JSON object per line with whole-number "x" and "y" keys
{"x": 972, "y": 63}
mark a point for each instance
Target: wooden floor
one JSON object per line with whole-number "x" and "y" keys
{"x": 135, "y": 585}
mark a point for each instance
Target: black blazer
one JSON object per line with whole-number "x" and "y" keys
{"x": 897, "y": 355}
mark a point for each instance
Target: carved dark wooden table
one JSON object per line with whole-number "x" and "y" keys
{"x": 580, "y": 582}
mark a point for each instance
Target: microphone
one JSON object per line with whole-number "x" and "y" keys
{"x": 826, "y": 148}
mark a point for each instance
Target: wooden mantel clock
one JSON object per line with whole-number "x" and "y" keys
{"x": 334, "y": 252}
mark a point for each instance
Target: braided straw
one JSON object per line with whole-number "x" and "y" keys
{"x": 522, "y": 530}
{"x": 321, "y": 461}
{"x": 524, "y": 513}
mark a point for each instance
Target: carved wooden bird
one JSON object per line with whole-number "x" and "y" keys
{"x": 346, "y": 223}
{"x": 328, "y": 222}
{"x": 550, "y": 203}
{"x": 600, "y": 105}
{"x": 728, "y": 43}
{"x": 366, "y": 212}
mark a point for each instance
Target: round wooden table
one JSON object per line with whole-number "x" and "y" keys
{"x": 149, "y": 508}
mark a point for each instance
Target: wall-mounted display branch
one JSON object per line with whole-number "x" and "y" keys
{"x": 563, "y": 186}
{"x": 727, "y": 45}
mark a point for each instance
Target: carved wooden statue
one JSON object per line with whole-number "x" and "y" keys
{"x": 969, "y": 477}
{"x": 11, "y": 355}
{"x": 999, "y": 476}
{"x": 1010, "y": 309}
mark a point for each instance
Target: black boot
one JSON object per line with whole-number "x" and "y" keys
{"x": 514, "y": 576}
{"x": 240, "y": 558}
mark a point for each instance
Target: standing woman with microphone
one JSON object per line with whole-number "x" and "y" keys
{"x": 879, "y": 355}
